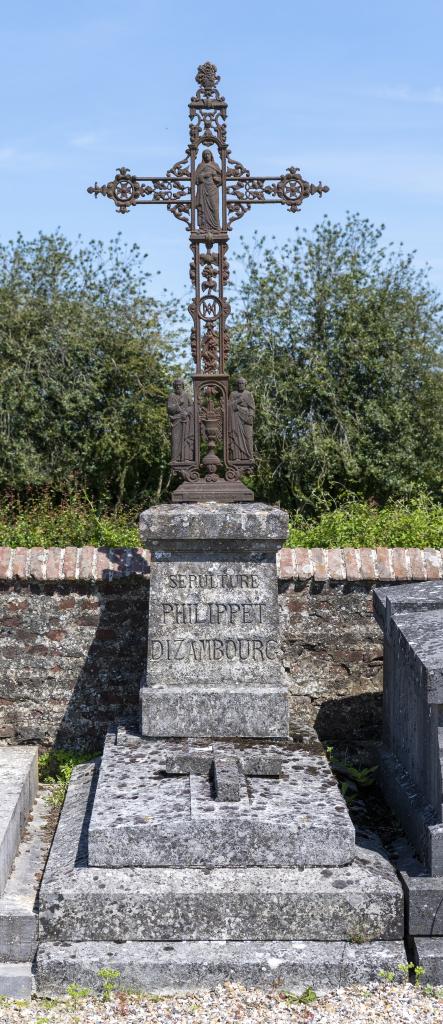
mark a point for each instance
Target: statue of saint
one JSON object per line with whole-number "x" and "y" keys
{"x": 181, "y": 417}
{"x": 208, "y": 178}
{"x": 241, "y": 412}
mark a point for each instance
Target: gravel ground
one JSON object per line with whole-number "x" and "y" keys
{"x": 233, "y": 1004}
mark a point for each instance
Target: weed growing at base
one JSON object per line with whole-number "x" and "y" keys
{"x": 55, "y": 769}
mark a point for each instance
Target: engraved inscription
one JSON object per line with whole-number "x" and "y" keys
{"x": 214, "y": 649}
{"x": 210, "y": 580}
{"x": 215, "y": 613}
{"x": 220, "y": 615}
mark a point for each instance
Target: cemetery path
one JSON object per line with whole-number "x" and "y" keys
{"x": 377, "y": 1003}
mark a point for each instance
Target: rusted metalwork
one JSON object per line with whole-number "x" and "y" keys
{"x": 212, "y": 433}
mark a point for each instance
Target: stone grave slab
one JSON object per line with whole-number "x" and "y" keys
{"x": 79, "y": 903}
{"x": 406, "y": 597}
{"x": 18, "y": 786}
{"x": 151, "y": 809}
{"x": 18, "y": 904}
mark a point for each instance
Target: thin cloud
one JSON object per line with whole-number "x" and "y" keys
{"x": 83, "y": 141}
{"x": 404, "y": 94}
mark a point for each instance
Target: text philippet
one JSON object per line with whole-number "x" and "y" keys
{"x": 213, "y": 613}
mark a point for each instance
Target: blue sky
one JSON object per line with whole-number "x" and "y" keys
{"x": 351, "y": 92}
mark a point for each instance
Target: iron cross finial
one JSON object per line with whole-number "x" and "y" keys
{"x": 212, "y": 434}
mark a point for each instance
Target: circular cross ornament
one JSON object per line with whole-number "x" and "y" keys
{"x": 124, "y": 190}
{"x": 292, "y": 188}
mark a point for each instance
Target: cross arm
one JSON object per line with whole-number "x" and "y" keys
{"x": 289, "y": 189}
{"x": 126, "y": 190}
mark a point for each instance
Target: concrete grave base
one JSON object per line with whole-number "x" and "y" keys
{"x": 361, "y": 901}
{"x": 412, "y": 756}
{"x": 170, "y": 929}
{"x": 187, "y": 966}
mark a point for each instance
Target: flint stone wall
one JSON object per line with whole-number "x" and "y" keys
{"x": 73, "y": 636}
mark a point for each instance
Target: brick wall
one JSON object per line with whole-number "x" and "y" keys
{"x": 73, "y": 631}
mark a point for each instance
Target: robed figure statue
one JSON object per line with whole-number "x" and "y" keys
{"x": 241, "y": 412}
{"x": 208, "y": 178}
{"x": 181, "y": 418}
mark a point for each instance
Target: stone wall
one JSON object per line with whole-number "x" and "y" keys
{"x": 73, "y": 632}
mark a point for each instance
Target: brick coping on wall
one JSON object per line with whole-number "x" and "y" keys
{"x": 106, "y": 564}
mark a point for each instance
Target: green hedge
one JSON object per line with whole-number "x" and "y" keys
{"x": 75, "y": 522}
{"x": 414, "y": 523}
{"x": 417, "y": 523}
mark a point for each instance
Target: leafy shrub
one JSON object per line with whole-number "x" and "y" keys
{"x": 353, "y": 523}
{"x": 402, "y": 523}
{"x": 42, "y": 523}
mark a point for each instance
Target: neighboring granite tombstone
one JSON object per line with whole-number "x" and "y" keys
{"x": 412, "y": 754}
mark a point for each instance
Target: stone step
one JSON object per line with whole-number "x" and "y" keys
{"x": 18, "y": 916}
{"x": 187, "y": 966}
{"x": 362, "y": 900}
{"x": 16, "y": 981}
{"x": 144, "y": 816}
{"x": 18, "y": 787}
{"x": 428, "y": 953}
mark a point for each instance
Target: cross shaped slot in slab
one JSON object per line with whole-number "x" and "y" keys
{"x": 225, "y": 768}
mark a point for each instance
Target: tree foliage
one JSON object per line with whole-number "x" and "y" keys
{"x": 84, "y": 360}
{"x": 337, "y": 334}
{"x": 339, "y": 337}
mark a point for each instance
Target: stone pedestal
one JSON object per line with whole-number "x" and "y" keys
{"x": 213, "y": 831}
{"x": 214, "y": 661}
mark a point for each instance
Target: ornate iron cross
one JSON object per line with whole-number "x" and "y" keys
{"x": 212, "y": 432}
